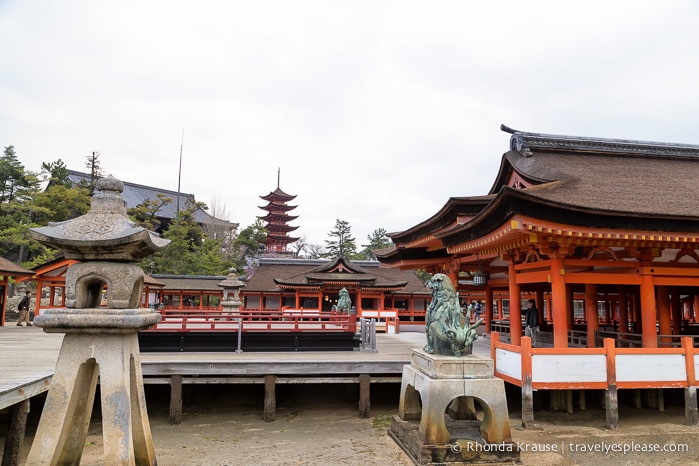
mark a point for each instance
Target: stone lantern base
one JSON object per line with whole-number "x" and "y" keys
{"x": 98, "y": 343}
{"x": 437, "y": 421}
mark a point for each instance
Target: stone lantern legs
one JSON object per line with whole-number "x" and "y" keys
{"x": 86, "y": 355}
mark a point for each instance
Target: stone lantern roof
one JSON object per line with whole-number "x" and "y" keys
{"x": 105, "y": 232}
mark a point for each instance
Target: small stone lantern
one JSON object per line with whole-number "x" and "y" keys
{"x": 231, "y": 295}
{"x": 98, "y": 342}
{"x": 230, "y": 306}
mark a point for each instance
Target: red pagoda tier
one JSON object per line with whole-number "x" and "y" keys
{"x": 277, "y": 220}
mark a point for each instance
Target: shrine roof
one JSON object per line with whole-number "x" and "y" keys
{"x": 135, "y": 194}
{"x": 189, "y": 282}
{"x": 604, "y": 183}
{"x": 13, "y": 270}
{"x": 270, "y": 273}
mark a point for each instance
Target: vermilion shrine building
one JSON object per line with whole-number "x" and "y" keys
{"x": 603, "y": 233}
{"x": 393, "y": 295}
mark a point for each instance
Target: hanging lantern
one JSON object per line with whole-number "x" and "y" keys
{"x": 479, "y": 278}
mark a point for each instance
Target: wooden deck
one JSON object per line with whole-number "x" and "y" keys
{"x": 29, "y": 357}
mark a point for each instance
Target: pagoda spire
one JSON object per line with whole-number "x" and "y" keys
{"x": 277, "y": 219}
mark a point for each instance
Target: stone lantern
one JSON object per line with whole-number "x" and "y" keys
{"x": 99, "y": 342}
{"x": 230, "y": 306}
{"x": 231, "y": 294}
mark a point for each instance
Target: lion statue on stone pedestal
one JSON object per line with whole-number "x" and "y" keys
{"x": 446, "y": 335}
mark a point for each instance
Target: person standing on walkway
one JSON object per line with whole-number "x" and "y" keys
{"x": 24, "y": 309}
{"x": 531, "y": 322}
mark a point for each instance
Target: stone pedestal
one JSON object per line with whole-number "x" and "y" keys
{"x": 104, "y": 344}
{"x": 448, "y": 386}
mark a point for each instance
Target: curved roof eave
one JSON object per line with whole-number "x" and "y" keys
{"x": 454, "y": 208}
{"x": 511, "y": 201}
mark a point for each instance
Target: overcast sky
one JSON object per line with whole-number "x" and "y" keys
{"x": 376, "y": 112}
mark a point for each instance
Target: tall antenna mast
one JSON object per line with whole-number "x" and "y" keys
{"x": 179, "y": 177}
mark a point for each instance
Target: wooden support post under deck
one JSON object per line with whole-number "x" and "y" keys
{"x": 637, "y": 401}
{"x": 611, "y": 399}
{"x": 527, "y": 391}
{"x": 175, "y": 399}
{"x": 611, "y": 407}
{"x": 270, "y": 409}
{"x": 15, "y": 434}
{"x": 691, "y": 413}
{"x": 364, "y": 395}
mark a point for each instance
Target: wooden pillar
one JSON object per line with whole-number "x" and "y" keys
{"x": 636, "y": 309}
{"x": 540, "y": 307}
{"x": 175, "y": 399}
{"x": 500, "y": 308}
{"x": 570, "y": 306}
{"x": 270, "y": 403}
{"x": 37, "y": 301}
{"x": 591, "y": 314}
{"x": 695, "y": 307}
{"x": 559, "y": 299}
{"x": 15, "y": 434}
{"x": 364, "y": 395}
{"x": 488, "y": 308}
{"x": 676, "y": 311}
{"x": 623, "y": 310}
{"x": 664, "y": 324}
{"x": 649, "y": 336}
{"x": 515, "y": 303}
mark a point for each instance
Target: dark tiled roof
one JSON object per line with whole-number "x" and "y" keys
{"x": 597, "y": 182}
{"x": 605, "y": 175}
{"x": 190, "y": 282}
{"x": 10, "y": 268}
{"x": 297, "y": 273}
{"x": 135, "y": 194}
{"x": 624, "y": 184}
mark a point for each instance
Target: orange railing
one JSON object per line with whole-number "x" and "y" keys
{"x": 257, "y": 321}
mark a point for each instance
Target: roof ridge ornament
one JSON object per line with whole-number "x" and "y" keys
{"x": 517, "y": 141}
{"x": 523, "y": 142}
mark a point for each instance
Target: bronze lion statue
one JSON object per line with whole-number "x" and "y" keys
{"x": 446, "y": 335}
